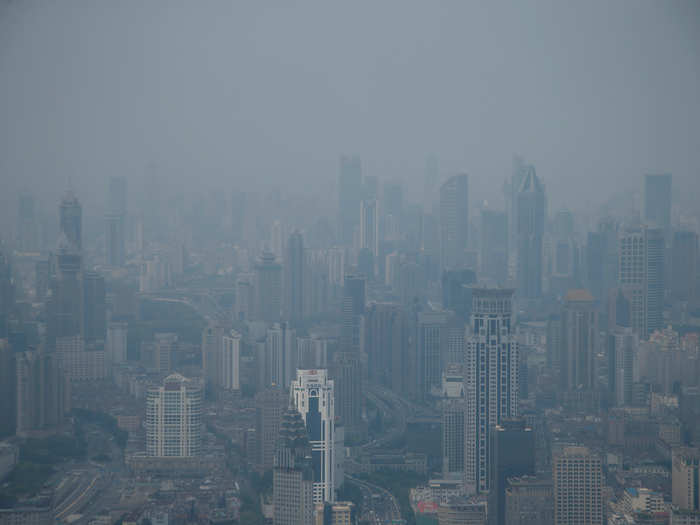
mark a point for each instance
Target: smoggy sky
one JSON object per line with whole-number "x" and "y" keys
{"x": 255, "y": 94}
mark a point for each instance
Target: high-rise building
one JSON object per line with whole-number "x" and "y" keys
{"x": 313, "y": 352}
{"x": 579, "y": 341}
{"x": 116, "y": 342}
{"x": 212, "y": 341}
{"x": 456, "y": 291}
{"x": 281, "y": 358}
{"x": 530, "y": 215}
{"x": 27, "y": 234}
{"x": 578, "y": 487}
{"x": 453, "y": 408}
{"x": 684, "y": 263}
{"x": 657, "y": 201}
{"x": 174, "y": 418}
{"x": 270, "y": 403}
{"x": 454, "y": 221}
{"x": 268, "y": 288}
{"x": 432, "y": 349}
{"x": 71, "y": 220}
{"x": 292, "y": 475}
{"x": 685, "y": 480}
{"x": 494, "y": 246}
{"x": 164, "y": 351}
{"x": 369, "y": 227}
{"x": 294, "y": 262}
{"x": 79, "y": 363}
{"x": 244, "y": 308}
{"x": 338, "y": 513}
{"x": 8, "y": 390}
{"x": 312, "y": 393}
{"x": 66, "y": 302}
{"x": 641, "y": 277}
{"x": 349, "y": 197}
{"x": 94, "y": 308}
{"x": 43, "y": 393}
{"x": 491, "y": 379}
{"x": 231, "y": 361}
{"x": 115, "y": 222}
{"x": 512, "y": 452}
{"x": 529, "y": 501}
{"x": 387, "y": 345}
{"x": 623, "y": 344}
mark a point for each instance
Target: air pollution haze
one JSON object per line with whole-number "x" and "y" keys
{"x": 358, "y": 263}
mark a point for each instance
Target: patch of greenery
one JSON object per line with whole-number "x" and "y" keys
{"x": 105, "y": 421}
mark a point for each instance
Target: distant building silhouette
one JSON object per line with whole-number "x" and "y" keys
{"x": 530, "y": 215}
{"x": 454, "y": 221}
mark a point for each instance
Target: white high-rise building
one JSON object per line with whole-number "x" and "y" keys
{"x": 281, "y": 359}
{"x": 490, "y": 380}
{"x": 174, "y": 418}
{"x": 231, "y": 361}
{"x": 312, "y": 394}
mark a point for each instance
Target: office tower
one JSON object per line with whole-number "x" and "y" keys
{"x": 369, "y": 226}
{"x": 42, "y": 279}
{"x": 7, "y": 291}
{"x": 174, "y": 418}
{"x": 528, "y": 501}
{"x": 641, "y": 277}
{"x": 212, "y": 342}
{"x": 392, "y": 211}
{"x": 8, "y": 390}
{"x": 43, "y": 394}
{"x": 491, "y": 379}
{"x": 231, "y": 361}
{"x": 454, "y": 221}
{"x": 117, "y": 342}
{"x": 512, "y": 452}
{"x": 354, "y": 306}
{"x": 313, "y": 395}
{"x": 456, "y": 291}
{"x": 510, "y": 192}
{"x": 494, "y": 246}
{"x": 71, "y": 220}
{"x": 684, "y": 263}
{"x": 387, "y": 345}
{"x": 349, "y": 197}
{"x": 623, "y": 345}
{"x": 94, "y": 308}
{"x": 115, "y": 222}
{"x": 27, "y": 238}
{"x": 164, "y": 352}
{"x": 432, "y": 348}
{"x": 292, "y": 475}
{"x": 268, "y": 288}
{"x": 578, "y": 487}
{"x": 294, "y": 262}
{"x": 579, "y": 341}
{"x": 79, "y": 363}
{"x": 244, "y": 309}
{"x": 281, "y": 358}
{"x": 313, "y": 352}
{"x": 657, "y": 201}
{"x": 685, "y": 479}
{"x": 453, "y": 407}
{"x": 530, "y": 214}
{"x": 65, "y": 304}
{"x": 270, "y": 404}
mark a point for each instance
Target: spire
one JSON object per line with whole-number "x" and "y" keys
{"x": 530, "y": 182}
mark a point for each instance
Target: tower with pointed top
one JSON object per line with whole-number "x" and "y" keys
{"x": 530, "y": 215}
{"x": 71, "y": 220}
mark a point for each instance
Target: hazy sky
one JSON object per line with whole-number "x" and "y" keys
{"x": 225, "y": 93}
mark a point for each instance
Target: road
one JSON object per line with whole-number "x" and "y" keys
{"x": 380, "y": 505}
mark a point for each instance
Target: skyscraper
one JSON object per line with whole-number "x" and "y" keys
{"x": 530, "y": 207}
{"x": 66, "y": 302}
{"x": 387, "y": 346}
{"x": 115, "y": 222}
{"x": 657, "y": 201}
{"x": 8, "y": 390}
{"x": 294, "y": 262}
{"x": 641, "y": 277}
{"x": 453, "y": 408}
{"x": 313, "y": 395}
{"x": 512, "y": 452}
{"x": 270, "y": 403}
{"x": 494, "y": 246}
{"x": 349, "y": 197}
{"x": 454, "y": 221}
{"x": 281, "y": 356}
{"x": 578, "y": 487}
{"x": 684, "y": 262}
{"x": 94, "y": 308}
{"x": 369, "y": 226}
{"x": 231, "y": 361}
{"x": 491, "y": 379}
{"x": 71, "y": 220}
{"x": 579, "y": 341}
{"x": 685, "y": 480}
{"x": 623, "y": 345}
{"x": 174, "y": 418}
{"x": 292, "y": 476}
{"x": 432, "y": 349}
{"x": 268, "y": 288}
{"x": 116, "y": 342}
{"x": 27, "y": 234}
